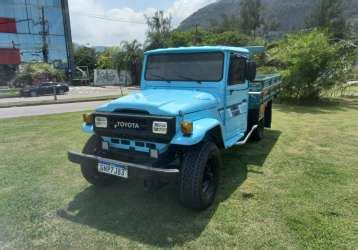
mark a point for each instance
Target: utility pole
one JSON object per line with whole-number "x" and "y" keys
{"x": 196, "y": 35}
{"x": 44, "y": 34}
{"x": 27, "y": 15}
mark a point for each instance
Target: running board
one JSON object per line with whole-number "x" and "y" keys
{"x": 247, "y": 137}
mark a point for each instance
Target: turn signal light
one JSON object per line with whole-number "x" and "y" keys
{"x": 186, "y": 128}
{"x": 87, "y": 118}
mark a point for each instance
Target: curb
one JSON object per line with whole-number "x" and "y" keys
{"x": 63, "y": 101}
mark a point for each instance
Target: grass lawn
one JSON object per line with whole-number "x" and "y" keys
{"x": 298, "y": 188}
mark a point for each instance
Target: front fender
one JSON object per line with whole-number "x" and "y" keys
{"x": 200, "y": 129}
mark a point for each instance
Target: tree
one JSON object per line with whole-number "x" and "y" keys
{"x": 132, "y": 53}
{"x": 310, "y": 64}
{"x": 36, "y": 71}
{"x": 328, "y": 14}
{"x": 106, "y": 59}
{"x": 181, "y": 38}
{"x": 250, "y": 16}
{"x": 159, "y": 27}
{"x": 230, "y": 38}
{"x": 85, "y": 56}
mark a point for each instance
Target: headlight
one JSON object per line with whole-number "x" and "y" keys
{"x": 101, "y": 122}
{"x": 186, "y": 128}
{"x": 160, "y": 128}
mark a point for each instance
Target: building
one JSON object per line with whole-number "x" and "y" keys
{"x": 34, "y": 31}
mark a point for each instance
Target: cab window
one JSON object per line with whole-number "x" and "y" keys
{"x": 237, "y": 69}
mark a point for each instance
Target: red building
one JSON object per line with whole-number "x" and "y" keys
{"x": 9, "y": 57}
{"x": 7, "y": 25}
{"x": 34, "y": 31}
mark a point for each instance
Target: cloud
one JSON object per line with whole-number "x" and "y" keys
{"x": 88, "y": 27}
{"x": 182, "y": 9}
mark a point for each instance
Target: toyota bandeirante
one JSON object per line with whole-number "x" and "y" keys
{"x": 193, "y": 103}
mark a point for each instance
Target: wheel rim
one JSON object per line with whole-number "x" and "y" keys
{"x": 209, "y": 181}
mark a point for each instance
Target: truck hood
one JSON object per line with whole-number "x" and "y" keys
{"x": 163, "y": 102}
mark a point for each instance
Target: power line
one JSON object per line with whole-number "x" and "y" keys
{"x": 106, "y": 18}
{"x": 88, "y": 14}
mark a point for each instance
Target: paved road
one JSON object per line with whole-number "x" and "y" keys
{"x": 75, "y": 92}
{"x": 48, "y": 109}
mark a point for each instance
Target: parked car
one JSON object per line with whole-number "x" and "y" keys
{"x": 46, "y": 88}
{"x": 194, "y": 102}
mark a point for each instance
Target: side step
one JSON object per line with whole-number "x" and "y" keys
{"x": 239, "y": 143}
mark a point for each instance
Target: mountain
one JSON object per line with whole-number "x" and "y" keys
{"x": 98, "y": 49}
{"x": 289, "y": 15}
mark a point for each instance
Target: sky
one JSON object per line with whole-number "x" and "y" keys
{"x": 89, "y": 28}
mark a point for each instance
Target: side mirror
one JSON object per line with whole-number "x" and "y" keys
{"x": 251, "y": 71}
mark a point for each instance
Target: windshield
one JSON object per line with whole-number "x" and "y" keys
{"x": 200, "y": 67}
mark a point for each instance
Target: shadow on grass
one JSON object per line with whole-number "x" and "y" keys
{"x": 157, "y": 218}
{"x": 323, "y": 106}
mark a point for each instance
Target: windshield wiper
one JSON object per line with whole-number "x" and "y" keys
{"x": 189, "y": 79}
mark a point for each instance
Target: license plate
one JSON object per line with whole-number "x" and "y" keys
{"x": 113, "y": 169}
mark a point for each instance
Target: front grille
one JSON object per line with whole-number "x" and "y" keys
{"x": 136, "y": 143}
{"x": 135, "y": 127}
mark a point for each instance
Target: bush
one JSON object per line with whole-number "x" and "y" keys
{"x": 202, "y": 37}
{"x": 310, "y": 64}
{"x": 231, "y": 38}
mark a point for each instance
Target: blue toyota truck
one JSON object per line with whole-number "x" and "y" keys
{"x": 193, "y": 103}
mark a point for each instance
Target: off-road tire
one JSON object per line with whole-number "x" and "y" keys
{"x": 258, "y": 134}
{"x": 199, "y": 176}
{"x": 90, "y": 173}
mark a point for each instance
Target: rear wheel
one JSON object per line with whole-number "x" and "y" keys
{"x": 258, "y": 134}
{"x": 90, "y": 173}
{"x": 199, "y": 178}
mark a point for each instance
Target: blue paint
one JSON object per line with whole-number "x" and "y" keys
{"x": 207, "y": 105}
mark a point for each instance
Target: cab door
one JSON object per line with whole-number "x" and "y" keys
{"x": 236, "y": 97}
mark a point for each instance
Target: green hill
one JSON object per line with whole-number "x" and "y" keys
{"x": 290, "y": 15}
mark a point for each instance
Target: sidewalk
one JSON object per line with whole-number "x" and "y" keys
{"x": 76, "y": 94}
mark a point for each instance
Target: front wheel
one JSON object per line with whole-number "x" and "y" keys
{"x": 90, "y": 173}
{"x": 199, "y": 178}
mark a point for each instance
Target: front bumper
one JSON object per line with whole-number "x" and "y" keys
{"x": 134, "y": 170}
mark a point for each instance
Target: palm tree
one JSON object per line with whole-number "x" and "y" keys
{"x": 159, "y": 27}
{"x": 132, "y": 58}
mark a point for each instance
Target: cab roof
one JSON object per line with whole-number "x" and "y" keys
{"x": 199, "y": 49}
